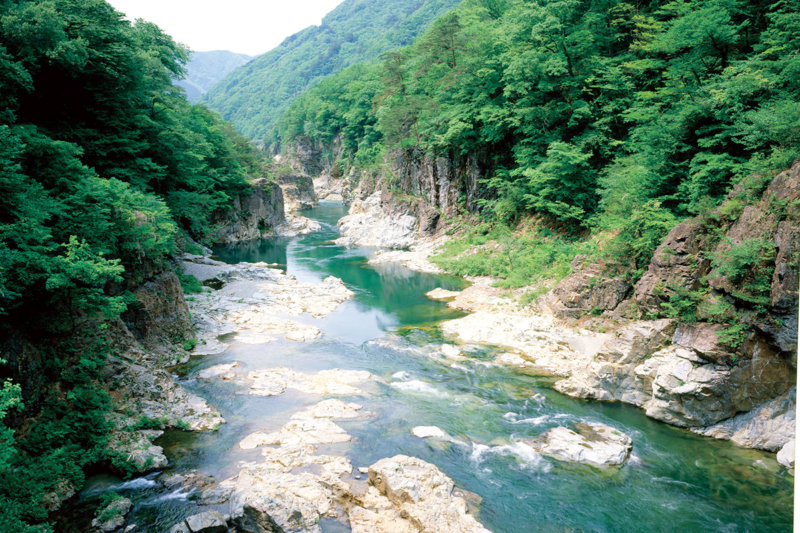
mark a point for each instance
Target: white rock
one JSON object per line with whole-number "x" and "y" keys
{"x": 335, "y": 382}
{"x": 451, "y": 351}
{"x": 224, "y": 371}
{"x": 333, "y": 409}
{"x": 424, "y": 432}
{"x": 786, "y": 455}
{"x": 423, "y": 494}
{"x": 594, "y": 444}
{"x": 441, "y": 294}
{"x": 368, "y": 225}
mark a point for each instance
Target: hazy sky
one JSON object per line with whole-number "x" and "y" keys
{"x": 245, "y": 26}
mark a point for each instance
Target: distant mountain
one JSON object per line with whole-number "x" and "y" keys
{"x": 255, "y": 95}
{"x": 207, "y": 68}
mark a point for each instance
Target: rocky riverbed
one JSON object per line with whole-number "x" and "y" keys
{"x": 293, "y": 486}
{"x": 355, "y": 402}
{"x": 678, "y": 373}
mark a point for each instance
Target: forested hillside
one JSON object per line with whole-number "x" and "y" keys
{"x": 105, "y": 169}
{"x": 254, "y": 96}
{"x": 204, "y": 69}
{"x": 616, "y": 119}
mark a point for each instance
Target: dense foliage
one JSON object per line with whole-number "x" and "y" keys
{"x": 104, "y": 168}
{"x": 254, "y": 96}
{"x": 102, "y": 160}
{"x": 611, "y": 115}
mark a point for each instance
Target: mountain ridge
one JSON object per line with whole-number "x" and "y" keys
{"x": 205, "y": 69}
{"x": 255, "y": 95}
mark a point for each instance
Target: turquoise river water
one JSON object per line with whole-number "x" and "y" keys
{"x": 674, "y": 481}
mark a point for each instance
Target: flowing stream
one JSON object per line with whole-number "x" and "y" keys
{"x": 674, "y": 481}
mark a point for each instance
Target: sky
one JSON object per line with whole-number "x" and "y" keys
{"x": 245, "y": 26}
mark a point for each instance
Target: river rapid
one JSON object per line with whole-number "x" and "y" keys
{"x": 673, "y": 481}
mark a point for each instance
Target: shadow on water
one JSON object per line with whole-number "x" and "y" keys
{"x": 675, "y": 481}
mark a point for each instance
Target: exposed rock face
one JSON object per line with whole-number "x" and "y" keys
{"x": 588, "y": 290}
{"x": 368, "y": 225}
{"x": 305, "y": 157}
{"x": 153, "y": 393}
{"x": 440, "y": 182}
{"x": 676, "y": 384}
{"x": 254, "y": 215}
{"x": 137, "y": 449}
{"x": 611, "y": 374}
{"x": 332, "y": 186}
{"x": 298, "y": 192}
{"x": 159, "y": 316}
{"x": 769, "y": 426}
{"x": 684, "y": 373}
{"x": 413, "y": 199}
{"x": 684, "y": 258}
{"x": 594, "y": 444}
{"x": 112, "y": 516}
{"x": 422, "y": 494}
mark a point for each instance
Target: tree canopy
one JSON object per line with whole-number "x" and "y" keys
{"x": 587, "y": 110}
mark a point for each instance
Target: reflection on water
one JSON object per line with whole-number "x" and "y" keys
{"x": 676, "y": 481}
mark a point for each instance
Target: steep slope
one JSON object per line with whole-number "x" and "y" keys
{"x": 204, "y": 69}
{"x": 255, "y": 95}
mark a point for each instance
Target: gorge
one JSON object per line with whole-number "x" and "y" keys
{"x": 480, "y": 265}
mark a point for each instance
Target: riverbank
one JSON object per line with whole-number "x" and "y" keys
{"x": 676, "y": 372}
{"x": 315, "y": 425}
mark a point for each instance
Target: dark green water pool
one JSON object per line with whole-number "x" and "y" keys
{"x": 675, "y": 480}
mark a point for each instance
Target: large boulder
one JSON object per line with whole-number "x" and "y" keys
{"x": 686, "y": 390}
{"x": 593, "y": 444}
{"x": 610, "y": 375}
{"x": 423, "y": 495}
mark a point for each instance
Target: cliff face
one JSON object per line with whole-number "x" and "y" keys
{"x": 723, "y": 359}
{"x": 413, "y": 196}
{"x": 298, "y": 192}
{"x": 254, "y": 215}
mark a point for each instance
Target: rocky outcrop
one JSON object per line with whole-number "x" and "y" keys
{"x": 367, "y": 224}
{"x": 159, "y": 318}
{"x": 412, "y": 199}
{"x": 768, "y": 426}
{"x": 772, "y": 222}
{"x": 332, "y": 186}
{"x": 611, "y": 374}
{"x": 112, "y": 516}
{"x": 587, "y": 291}
{"x": 592, "y": 443}
{"x": 298, "y": 192}
{"x": 688, "y": 373}
{"x": 255, "y": 214}
{"x": 420, "y": 494}
{"x": 253, "y": 301}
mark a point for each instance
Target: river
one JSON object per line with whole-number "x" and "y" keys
{"x": 674, "y": 481}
